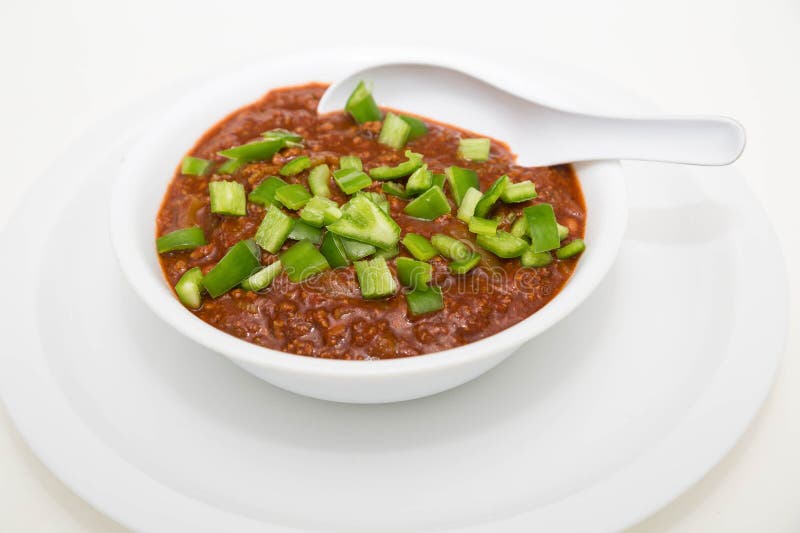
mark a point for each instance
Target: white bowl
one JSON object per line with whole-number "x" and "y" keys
{"x": 148, "y": 168}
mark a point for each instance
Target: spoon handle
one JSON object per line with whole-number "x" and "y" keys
{"x": 703, "y": 140}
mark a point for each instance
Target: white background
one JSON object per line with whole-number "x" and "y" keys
{"x": 66, "y": 65}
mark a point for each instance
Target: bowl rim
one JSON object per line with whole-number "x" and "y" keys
{"x": 590, "y": 270}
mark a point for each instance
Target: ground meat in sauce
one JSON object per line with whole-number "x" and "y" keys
{"x": 327, "y": 317}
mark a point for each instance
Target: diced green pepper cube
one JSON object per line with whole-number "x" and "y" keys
{"x": 361, "y": 105}
{"x": 420, "y": 181}
{"x": 275, "y": 227}
{"x": 262, "y": 278}
{"x": 395, "y": 132}
{"x": 502, "y": 244}
{"x": 351, "y": 180}
{"x": 468, "y": 203}
{"x": 413, "y": 162}
{"x": 490, "y": 197}
{"x": 374, "y": 278}
{"x": 363, "y": 220}
{"x": 412, "y": 273}
{"x": 181, "y": 239}
{"x": 227, "y": 198}
{"x": 303, "y": 261}
{"x": 264, "y": 193}
{"x": 189, "y": 288}
{"x": 518, "y": 192}
{"x": 194, "y": 166}
{"x": 474, "y": 149}
{"x": 460, "y": 180}
{"x": 533, "y": 259}
{"x": 418, "y": 128}
{"x": 238, "y": 263}
{"x": 573, "y": 248}
{"x": 429, "y": 205}
{"x": 293, "y": 196}
{"x": 333, "y": 250}
{"x": 351, "y": 161}
{"x": 419, "y": 247}
{"x": 318, "y": 180}
{"x": 305, "y": 231}
{"x": 422, "y": 301}
{"x": 255, "y": 151}
{"x": 542, "y": 227}
{"x": 356, "y": 250}
{"x": 482, "y": 226}
{"x": 295, "y": 166}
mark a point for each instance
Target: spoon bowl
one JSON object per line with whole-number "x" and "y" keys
{"x": 542, "y": 134}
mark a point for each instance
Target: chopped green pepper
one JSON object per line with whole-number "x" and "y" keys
{"x": 474, "y": 149}
{"x": 395, "y": 132}
{"x": 530, "y": 258}
{"x": 333, "y": 250}
{"x": 361, "y": 105}
{"x": 355, "y": 250}
{"x": 482, "y": 226}
{"x": 451, "y": 248}
{"x": 573, "y": 248}
{"x": 238, "y": 263}
{"x": 379, "y": 199}
{"x": 502, "y": 244}
{"x": 262, "y": 278}
{"x": 351, "y": 180}
{"x": 289, "y": 138}
{"x": 491, "y": 196}
{"x": 303, "y": 261}
{"x": 305, "y": 231}
{"x": 351, "y": 161}
{"x": 194, "y": 166}
{"x": 563, "y": 231}
{"x": 293, "y": 196}
{"x": 296, "y": 166}
{"x": 264, "y": 193}
{"x": 227, "y": 198}
{"x": 181, "y": 239}
{"x": 320, "y": 211}
{"x": 275, "y": 227}
{"x": 363, "y": 220}
{"x": 460, "y": 180}
{"x": 374, "y": 278}
{"x": 388, "y": 254}
{"x": 519, "y": 192}
{"x": 413, "y": 162}
{"x": 395, "y": 189}
{"x": 412, "y": 273}
{"x": 431, "y": 204}
{"x": 418, "y": 128}
{"x": 255, "y": 151}
{"x": 438, "y": 179}
{"x": 466, "y": 264}
{"x": 420, "y": 181}
{"x": 318, "y": 180}
{"x": 467, "y": 208}
{"x": 542, "y": 227}
{"x": 189, "y": 288}
{"x": 419, "y": 246}
{"x": 230, "y": 166}
{"x": 520, "y": 228}
{"x": 422, "y": 301}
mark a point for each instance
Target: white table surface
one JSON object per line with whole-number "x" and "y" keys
{"x": 66, "y": 64}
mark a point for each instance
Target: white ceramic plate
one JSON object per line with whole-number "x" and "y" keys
{"x": 590, "y": 427}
